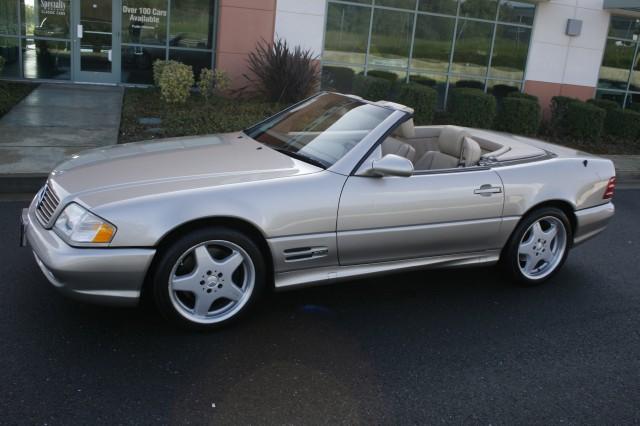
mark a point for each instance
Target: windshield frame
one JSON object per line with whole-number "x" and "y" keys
{"x": 345, "y": 164}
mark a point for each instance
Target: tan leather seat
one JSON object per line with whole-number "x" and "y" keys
{"x": 395, "y": 146}
{"x": 456, "y": 148}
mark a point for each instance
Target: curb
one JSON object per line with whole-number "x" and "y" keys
{"x": 21, "y": 183}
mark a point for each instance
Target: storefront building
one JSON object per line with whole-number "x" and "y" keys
{"x": 578, "y": 48}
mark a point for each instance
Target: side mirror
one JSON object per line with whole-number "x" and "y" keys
{"x": 389, "y": 165}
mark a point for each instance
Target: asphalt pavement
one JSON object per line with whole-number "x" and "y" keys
{"x": 424, "y": 347}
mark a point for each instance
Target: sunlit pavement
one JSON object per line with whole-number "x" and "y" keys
{"x": 428, "y": 347}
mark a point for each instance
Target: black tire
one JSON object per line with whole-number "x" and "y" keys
{"x": 510, "y": 258}
{"x": 169, "y": 257}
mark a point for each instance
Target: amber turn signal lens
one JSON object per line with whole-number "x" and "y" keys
{"x": 104, "y": 234}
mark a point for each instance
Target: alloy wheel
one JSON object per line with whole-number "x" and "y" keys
{"x": 542, "y": 247}
{"x": 211, "y": 281}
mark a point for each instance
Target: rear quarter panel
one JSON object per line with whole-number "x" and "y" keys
{"x": 578, "y": 181}
{"x": 565, "y": 179}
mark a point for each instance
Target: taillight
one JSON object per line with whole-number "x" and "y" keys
{"x": 611, "y": 188}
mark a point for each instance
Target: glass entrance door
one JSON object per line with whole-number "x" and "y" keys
{"x": 97, "y": 48}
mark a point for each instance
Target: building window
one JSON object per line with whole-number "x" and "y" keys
{"x": 619, "y": 79}
{"x": 479, "y": 43}
{"x": 36, "y": 37}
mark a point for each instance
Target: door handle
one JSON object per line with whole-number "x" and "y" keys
{"x": 487, "y": 190}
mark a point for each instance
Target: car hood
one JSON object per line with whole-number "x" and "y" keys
{"x": 174, "y": 164}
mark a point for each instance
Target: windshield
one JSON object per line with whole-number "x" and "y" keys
{"x": 321, "y": 130}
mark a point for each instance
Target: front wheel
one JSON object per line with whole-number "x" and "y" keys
{"x": 538, "y": 246}
{"x": 208, "y": 278}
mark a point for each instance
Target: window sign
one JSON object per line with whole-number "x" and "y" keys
{"x": 144, "y": 22}
{"x": 46, "y": 18}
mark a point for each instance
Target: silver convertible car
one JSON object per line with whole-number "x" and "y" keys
{"x": 330, "y": 189}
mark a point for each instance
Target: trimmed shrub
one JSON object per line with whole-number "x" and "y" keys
{"x": 472, "y": 108}
{"x": 584, "y": 121}
{"x": 2, "y": 61}
{"x": 425, "y": 81}
{"x": 337, "y": 78}
{"x": 158, "y": 68}
{"x": 280, "y": 73}
{"x": 470, "y": 84}
{"x": 371, "y": 88}
{"x": 623, "y": 124}
{"x": 634, "y": 107}
{"x": 421, "y": 98}
{"x": 522, "y": 95}
{"x": 175, "y": 82}
{"x": 604, "y": 104}
{"x": 212, "y": 82}
{"x": 503, "y": 90}
{"x": 390, "y": 76}
{"x": 559, "y": 108}
{"x": 518, "y": 115}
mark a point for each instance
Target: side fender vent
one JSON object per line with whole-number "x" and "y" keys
{"x": 305, "y": 253}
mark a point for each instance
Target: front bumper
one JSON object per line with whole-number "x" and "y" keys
{"x": 592, "y": 221}
{"x": 109, "y": 276}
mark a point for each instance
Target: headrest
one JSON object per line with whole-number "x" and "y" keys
{"x": 406, "y": 130}
{"x": 450, "y": 140}
{"x": 471, "y": 152}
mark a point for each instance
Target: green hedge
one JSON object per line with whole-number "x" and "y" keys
{"x": 519, "y": 116}
{"x": 470, "y": 84}
{"x": 584, "y": 121}
{"x": 503, "y": 90}
{"x": 559, "y": 108}
{"x": 425, "y": 81}
{"x": 372, "y": 88}
{"x": 634, "y": 107}
{"x": 604, "y": 104}
{"x": 623, "y": 124}
{"x": 338, "y": 78}
{"x": 522, "y": 95}
{"x": 390, "y": 76}
{"x": 472, "y": 108}
{"x": 421, "y": 98}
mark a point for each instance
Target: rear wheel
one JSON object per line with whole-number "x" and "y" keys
{"x": 208, "y": 278}
{"x": 538, "y": 246}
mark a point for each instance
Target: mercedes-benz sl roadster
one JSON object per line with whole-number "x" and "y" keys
{"x": 332, "y": 188}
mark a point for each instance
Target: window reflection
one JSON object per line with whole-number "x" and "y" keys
{"x": 191, "y": 21}
{"x": 46, "y": 18}
{"x": 196, "y": 59}
{"x": 8, "y": 17}
{"x": 432, "y": 46}
{"x": 9, "y": 51}
{"x": 390, "y": 38}
{"x": 510, "y": 50}
{"x": 516, "y": 12}
{"x": 46, "y": 59}
{"x": 137, "y": 63}
{"x": 449, "y": 7}
{"x": 473, "y": 42}
{"x": 346, "y": 33}
{"x": 624, "y": 27}
{"x": 485, "y": 9}
{"x": 616, "y": 64}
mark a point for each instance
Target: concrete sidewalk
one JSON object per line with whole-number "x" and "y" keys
{"x": 52, "y": 123}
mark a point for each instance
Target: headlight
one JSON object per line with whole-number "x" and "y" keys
{"x": 78, "y": 225}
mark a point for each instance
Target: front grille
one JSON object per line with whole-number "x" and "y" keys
{"x": 47, "y": 205}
